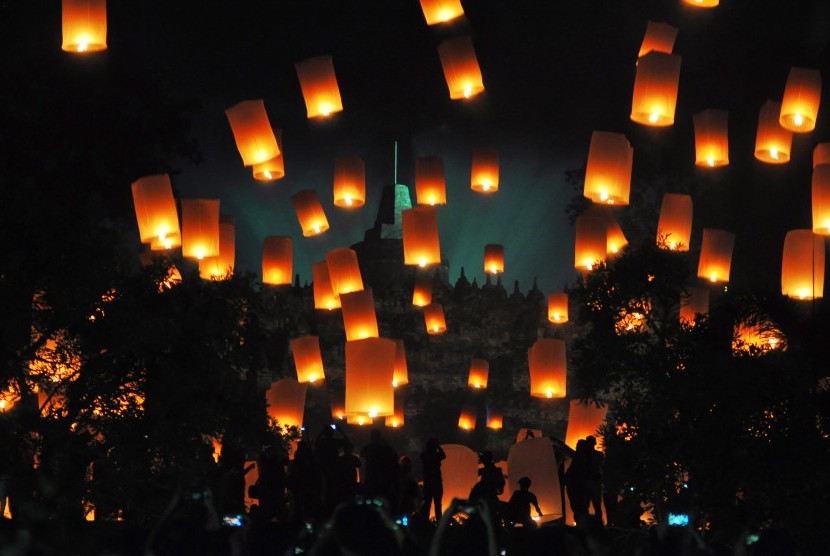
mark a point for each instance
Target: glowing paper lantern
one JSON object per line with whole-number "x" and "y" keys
{"x": 459, "y": 472}
{"x": 344, "y": 271}
{"x": 702, "y": 3}
{"x": 484, "y": 176}
{"x": 711, "y": 138}
{"x": 84, "y": 26}
{"x": 434, "y": 319}
{"x": 155, "y": 210}
{"x": 349, "y": 182}
{"x": 286, "y": 402}
{"x": 493, "y": 258}
{"x": 324, "y": 296}
{"x": 310, "y": 212}
{"x": 659, "y": 37}
{"x": 420, "y": 236}
{"x": 430, "y": 183}
{"x": 359, "y": 318}
{"x": 615, "y": 239}
{"x": 821, "y": 199}
{"x": 608, "y": 173}
{"x": 655, "y": 89}
{"x": 273, "y": 169}
{"x": 534, "y": 458}
{"x": 495, "y": 419}
{"x": 548, "y": 369}
{"x": 584, "y": 420}
{"x": 307, "y": 358}
{"x": 558, "y": 307}
{"x": 674, "y": 228}
{"x": 591, "y": 241}
{"x": 802, "y": 266}
{"x": 400, "y": 377}
{"x": 821, "y": 154}
{"x": 277, "y": 260}
{"x": 395, "y": 421}
{"x": 467, "y": 419}
{"x": 441, "y": 11}
{"x": 319, "y": 85}
{"x": 422, "y": 292}
{"x": 370, "y": 366}
{"x": 458, "y": 58}
{"x": 221, "y": 267}
{"x": 772, "y": 142}
{"x": 479, "y": 371}
{"x": 252, "y": 131}
{"x": 715, "y": 255}
{"x": 359, "y": 420}
{"x": 802, "y": 95}
{"x": 200, "y": 228}
{"x": 694, "y": 302}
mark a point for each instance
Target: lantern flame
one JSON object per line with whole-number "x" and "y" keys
{"x": 549, "y": 393}
{"x": 468, "y": 91}
{"x": 713, "y": 277}
{"x": 267, "y": 175}
{"x": 774, "y": 153}
{"x": 711, "y": 162}
{"x": 348, "y": 201}
{"x": 325, "y": 109}
{"x": 654, "y": 117}
{"x": 83, "y": 45}
{"x": 394, "y": 383}
{"x": 798, "y": 120}
{"x": 485, "y": 185}
{"x": 422, "y": 262}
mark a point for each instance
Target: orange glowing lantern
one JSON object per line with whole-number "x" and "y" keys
{"x": 430, "y": 183}
{"x": 711, "y": 138}
{"x": 584, "y": 420}
{"x": 484, "y": 176}
{"x": 495, "y": 419}
{"x": 434, "y": 319}
{"x": 458, "y": 58}
{"x": 286, "y": 402}
{"x": 615, "y": 239}
{"x": 277, "y": 260}
{"x": 659, "y": 37}
{"x": 359, "y": 420}
{"x": 558, "y": 307}
{"x": 400, "y": 376}
{"x": 591, "y": 241}
{"x": 802, "y": 266}
{"x": 494, "y": 258}
{"x": 479, "y": 371}
{"x": 821, "y": 154}
{"x": 772, "y": 142}
{"x": 802, "y": 95}
{"x": 655, "y": 89}
{"x": 395, "y": 421}
{"x": 338, "y": 408}
{"x": 821, "y": 199}
{"x": 200, "y": 228}
{"x": 252, "y": 131}
{"x": 702, "y": 3}
{"x": 324, "y": 296}
{"x": 221, "y": 267}
{"x": 344, "y": 271}
{"x": 608, "y": 173}
{"x": 694, "y": 302}
{"x": 674, "y": 228}
{"x": 84, "y": 26}
{"x": 421, "y": 245}
{"x": 319, "y": 85}
{"x": 359, "y": 318}
{"x": 422, "y": 292}
{"x": 349, "y": 182}
{"x": 715, "y": 255}
{"x": 467, "y": 419}
{"x": 273, "y": 169}
{"x": 155, "y": 211}
{"x": 441, "y": 11}
{"x": 370, "y": 365}
{"x": 307, "y": 359}
{"x": 310, "y": 212}
{"x": 548, "y": 368}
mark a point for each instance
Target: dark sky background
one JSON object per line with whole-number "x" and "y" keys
{"x": 554, "y": 71}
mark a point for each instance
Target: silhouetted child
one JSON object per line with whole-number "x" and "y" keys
{"x": 520, "y": 503}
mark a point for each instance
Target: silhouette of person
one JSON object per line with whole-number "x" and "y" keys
{"x": 409, "y": 499}
{"x": 303, "y": 482}
{"x": 575, "y": 480}
{"x": 380, "y": 469}
{"x": 346, "y": 471}
{"x": 271, "y": 483}
{"x": 593, "y": 477}
{"x": 229, "y": 492}
{"x": 521, "y": 502}
{"x": 490, "y": 484}
{"x": 326, "y": 448}
{"x": 431, "y": 458}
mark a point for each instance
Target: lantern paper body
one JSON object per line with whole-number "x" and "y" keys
{"x": 772, "y": 142}
{"x": 370, "y": 366}
{"x": 821, "y": 199}
{"x": 307, "y": 358}
{"x": 273, "y": 169}
{"x": 459, "y": 472}
{"x": 821, "y": 154}
{"x": 359, "y": 318}
{"x": 548, "y": 370}
{"x": 659, "y": 37}
{"x": 674, "y": 228}
{"x": 277, "y": 260}
{"x": 493, "y": 258}
{"x": 484, "y": 176}
{"x": 696, "y": 302}
{"x": 655, "y": 89}
{"x": 344, "y": 271}
{"x": 715, "y": 255}
{"x": 84, "y": 25}
{"x": 286, "y": 402}
{"x": 221, "y": 267}
{"x": 534, "y": 458}
{"x": 802, "y": 266}
{"x": 467, "y": 419}
{"x": 252, "y": 131}
{"x": 608, "y": 173}
{"x": 319, "y": 85}
{"x": 591, "y": 241}
{"x": 155, "y": 210}
{"x": 200, "y": 228}
{"x": 430, "y": 183}
{"x": 421, "y": 245}
{"x": 615, "y": 239}
{"x": 441, "y": 11}
{"x": 584, "y": 420}
{"x": 711, "y": 138}
{"x": 395, "y": 421}
{"x": 479, "y": 371}
{"x": 349, "y": 182}
{"x": 458, "y": 58}
{"x": 324, "y": 296}
{"x": 702, "y": 3}
{"x": 495, "y": 419}
{"x": 422, "y": 292}
{"x": 799, "y": 107}
{"x": 310, "y": 213}
{"x": 558, "y": 307}
{"x": 400, "y": 377}
{"x": 434, "y": 319}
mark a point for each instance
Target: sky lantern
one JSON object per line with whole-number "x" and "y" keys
{"x": 493, "y": 258}
{"x": 659, "y": 37}
{"x": 338, "y": 406}
{"x": 715, "y": 255}
{"x": 277, "y": 261}
{"x": 422, "y": 292}
{"x": 459, "y": 472}
{"x": 344, "y": 271}
{"x": 324, "y": 296}
{"x": 711, "y": 138}
{"x": 252, "y": 131}
{"x": 395, "y": 420}
{"x": 495, "y": 419}
{"x": 221, "y": 266}
{"x": 319, "y": 85}
{"x": 608, "y": 173}
{"x": 467, "y": 418}
{"x": 584, "y": 420}
{"x": 155, "y": 211}
{"x": 310, "y": 212}
{"x": 821, "y": 199}
{"x": 273, "y": 169}
{"x": 558, "y": 307}
{"x": 370, "y": 364}
{"x": 307, "y": 359}
{"x": 286, "y": 402}
{"x": 591, "y": 241}
{"x": 674, "y": 228}
{"x": 84, "y": 26}
{"x": 802, "y": 95}
{"x": 458, "y": 58}
{"x": 200, "y": 228}
{"x": 430, "y": 182}
{"x": 400, "y": 377}
{"x": 694, "y": 302}
{"x": 772, "y": 142}
{"x": 548, "y": 368}
{"x": 479, "y": 371}
{"x": 484, "y": 175}
{"x": 534, "y": 458}
{"x": 615, "y": 239}
{"x": 702, "y": 3}
{"x": 655, "y": 89}
{"x": 349, "y": 182}
{"x": 821, "y": 154}
{"x": 441, "y": 11}
{"x": 434, "y": 319}
{"x": 359, "y": 318}
{"x": 802, "y": 265}
{"x": 420, "y": 236}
